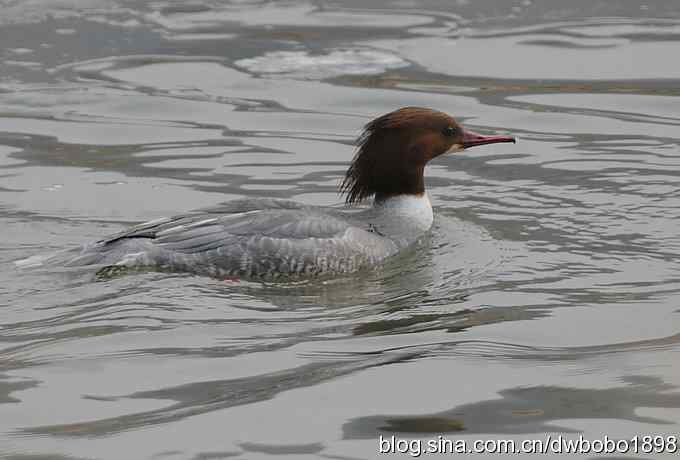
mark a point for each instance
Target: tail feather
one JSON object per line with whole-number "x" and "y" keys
{"x": 121, "y": 252}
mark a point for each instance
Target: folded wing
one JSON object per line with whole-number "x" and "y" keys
{"x": 254, "y": 238}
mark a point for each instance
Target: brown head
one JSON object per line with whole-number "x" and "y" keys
{"x": 393, "y": 150}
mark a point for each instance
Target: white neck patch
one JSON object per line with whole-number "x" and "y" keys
{"x": 413, "y": 209}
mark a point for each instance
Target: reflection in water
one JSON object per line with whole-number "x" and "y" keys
{"x": 531, "y": 410}
{"x": 7, "y": 388}
{"x": 201, "y": 397}
{"x": 545, "y": 298}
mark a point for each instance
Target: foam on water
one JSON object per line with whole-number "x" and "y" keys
{"x": 301, "y": 64}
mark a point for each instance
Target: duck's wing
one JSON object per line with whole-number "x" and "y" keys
{"x": 256, "y": 242}
{"x": 230, "y": 208}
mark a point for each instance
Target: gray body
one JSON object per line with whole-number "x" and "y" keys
{"x": 265, "y": 238}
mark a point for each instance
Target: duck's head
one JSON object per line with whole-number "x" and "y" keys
{"x": 394, "y": 148}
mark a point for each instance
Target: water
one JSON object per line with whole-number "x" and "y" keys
{"x": 545, "y": 301}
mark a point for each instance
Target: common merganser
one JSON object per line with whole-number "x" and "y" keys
{"x": 268, "y": 238}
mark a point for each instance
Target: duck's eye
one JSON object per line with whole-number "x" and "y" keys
{"x": 450, "y": 131}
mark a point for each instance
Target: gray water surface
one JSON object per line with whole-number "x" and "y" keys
{"x": 546, "y": 299}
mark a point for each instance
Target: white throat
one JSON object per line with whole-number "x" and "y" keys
{"x": 407, "y": 211}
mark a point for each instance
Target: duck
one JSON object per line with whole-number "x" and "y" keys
{"x": 272, "y": 238}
